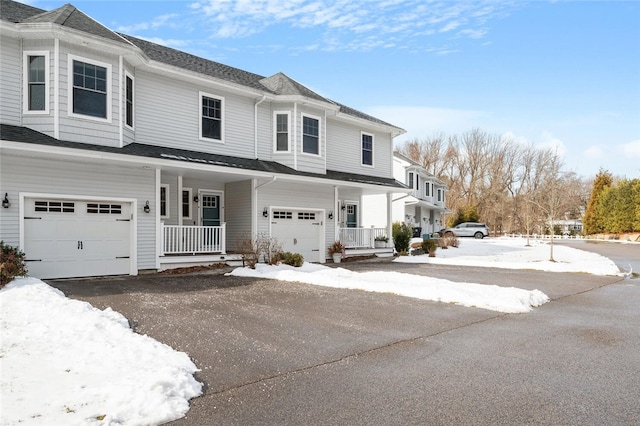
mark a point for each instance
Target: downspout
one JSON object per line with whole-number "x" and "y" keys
{"x": 255, "y": 124}
{"x": 56, "y": 89}
{"x": 295, "y": 135}
{"x": 120, "y": 82}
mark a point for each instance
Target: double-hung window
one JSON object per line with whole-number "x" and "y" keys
{"x": 281, "y": 129}
{"x": 427, "y": 187}
{"x": 186, "y": 203}
{"x": 310, "y": 135}
{"x": 36, "y": 78}
{"x": 164, "y": 201}
{"x": 89, "y": 88}
{"x": 128, "y": 107}
{"x": 367, "y": 149}
{"x": 410, "y": 180}
{"x": 211, "y": 117}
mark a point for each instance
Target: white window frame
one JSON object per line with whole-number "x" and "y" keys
{"x": 166, "y": 201}
{"x": 313, "y": 117}
{"x": 410, "y": 180}
{"x": 189, "y": 199}
{"x": 222, "y": 116}
{"x": 25, "y": 79}
{"x": 128, "y": 75}
{"x": 427, "y": 189}
{"x": 362, "y": 134}
{"x": 109, "y": 94}
{"x": 275, "y": 131}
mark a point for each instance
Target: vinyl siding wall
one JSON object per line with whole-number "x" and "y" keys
{"x": 344, "y": 150}
{"x": 309, "y": 162}
{"x": 237, "y": 197}
{"x": 77, "y": 178}
{"x": 88, "y": 130}
{"x": 41, "y": 122}
{"x": 10, "y": 81}
{"x": 168, "y": 114}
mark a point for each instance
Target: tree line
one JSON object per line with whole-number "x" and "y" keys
{"x": 614, "y": 206}
{"x": 511, "y": 186}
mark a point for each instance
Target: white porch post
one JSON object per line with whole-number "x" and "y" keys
{"x": 336, "y": 220}
{"x": 389, "y": 216}
{"x": 159, "y": 230}
{"x": 254, "y": 207}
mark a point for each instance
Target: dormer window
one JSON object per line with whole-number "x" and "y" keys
{"x": 36, "y": 93}
{"x": 89, "y": 88}
{"x": 310, "y": 135}
{"x": 281, "y": 130}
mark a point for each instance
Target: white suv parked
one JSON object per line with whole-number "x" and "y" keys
{"x": 468, "y": 229}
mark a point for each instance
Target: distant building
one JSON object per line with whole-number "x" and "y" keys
{"x": 423, "y": 207}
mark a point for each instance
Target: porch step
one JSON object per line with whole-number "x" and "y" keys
{"x": 185, "y": 261}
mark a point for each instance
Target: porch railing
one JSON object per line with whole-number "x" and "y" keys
{"x": 193, "y": 239}
{"x": 360, "y": 237}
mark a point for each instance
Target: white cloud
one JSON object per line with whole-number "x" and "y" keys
{"x": 550, "y": 141}
{"x": 410, "y": 20}
{"x": 157, "y": 22}
{"x": 594, "y": 152}
{"x": 632, "y": 149}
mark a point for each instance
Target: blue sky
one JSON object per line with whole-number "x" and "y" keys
{"x": 564, "y": 74}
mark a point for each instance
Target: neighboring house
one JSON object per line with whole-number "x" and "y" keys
{"x": 423, "y": 208}
{"x": 118, "y": 155}
{"x": 569, "y": 226}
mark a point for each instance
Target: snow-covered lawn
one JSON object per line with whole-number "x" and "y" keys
{"x": 512, "y": 253}
{"x": 500, "y": 253}
{"x": 63, "y": 362}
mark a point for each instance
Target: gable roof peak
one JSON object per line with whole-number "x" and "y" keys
{"x": 56, "y": 16}
{"x": 282, "y": 84}
{"x": 71, "y": 17}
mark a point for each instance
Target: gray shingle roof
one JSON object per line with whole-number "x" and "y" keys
{"x": 281, "y": 84}
{"x": 26, "y": 135}
{"x": 187, "y": 61}
{"x": 15, "y": 12}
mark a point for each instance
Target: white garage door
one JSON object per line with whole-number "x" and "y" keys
{"x": 299, "y": 231}
{"x": 71, "y": 238}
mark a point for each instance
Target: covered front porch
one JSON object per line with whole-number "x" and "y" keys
{"x": 362, "y": 241}
{"x": 185, "y": 246}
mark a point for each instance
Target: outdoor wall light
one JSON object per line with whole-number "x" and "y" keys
{"x": 5, "y": 203}
{"x": 146, "y": 207}
{"x": 195, "y": 199}
{"x": 330, "y": 215}
{"x": 265, "y": 212}
{"x": 344, "y": 206}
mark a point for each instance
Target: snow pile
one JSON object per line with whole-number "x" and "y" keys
{"x": 492, "y": 297}
{"x": 63, "y": 361}
{"x": 511, "y": 253}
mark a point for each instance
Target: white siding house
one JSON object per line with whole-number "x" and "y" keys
{"x": 119, "y": 155}
{"x": 422, "y": 208}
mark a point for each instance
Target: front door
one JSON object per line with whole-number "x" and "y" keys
{"x": 210, "y": 210}
{"x": 352, "y": 216}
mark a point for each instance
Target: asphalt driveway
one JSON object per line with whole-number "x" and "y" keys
{"x": 273, "y": 352}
